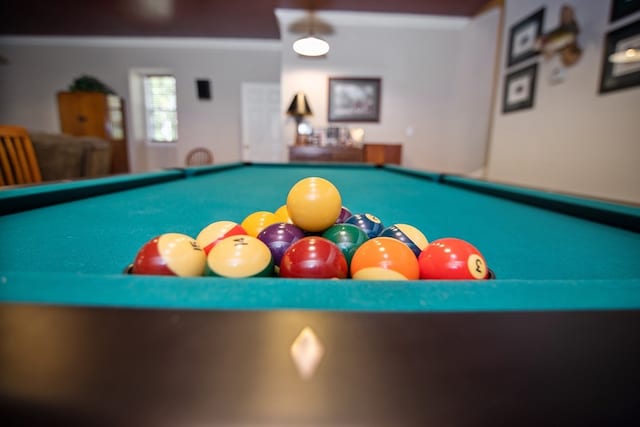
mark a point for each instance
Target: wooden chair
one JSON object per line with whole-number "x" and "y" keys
{"x": 199, "y": 157}
{"x": 18, "y": 162}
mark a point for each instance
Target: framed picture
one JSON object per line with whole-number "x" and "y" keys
{"x": 519, "y": 89}
{"x": 523, "y": 37}
{"x": 616, "y": 76}
{"x": 622, "y": 8}
{"x": 354, "y": 99}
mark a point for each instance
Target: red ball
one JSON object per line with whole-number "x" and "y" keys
{"x": 450, "y": 258}
{"x": 170, "y": 254}
{"x": 216, "y": 231}
{"x": 314, "y": 258}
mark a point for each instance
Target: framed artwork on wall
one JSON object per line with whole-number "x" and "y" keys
{"x": 618, "y": 73}
{"x": 523, "y": 38}
{"x": 354, "y": 99}
{"x": 622, "y": 8}
{"x": 519, "y": 89}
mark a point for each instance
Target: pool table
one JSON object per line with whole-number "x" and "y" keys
{"x": 553, "y": 339}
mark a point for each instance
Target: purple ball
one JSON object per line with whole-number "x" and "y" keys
{"x": 344, "y": 214}
{"x": 278, "y": 237}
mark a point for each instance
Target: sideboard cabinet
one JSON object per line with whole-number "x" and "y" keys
{"x": 96, "y": 114}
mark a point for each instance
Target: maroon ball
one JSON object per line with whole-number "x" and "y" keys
{"x": 344, "y": 214}
{"x": 314, "y": 257}
{"x": 278, "y": 237}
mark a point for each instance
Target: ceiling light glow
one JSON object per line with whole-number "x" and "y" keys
{"x": 310, "y": 46}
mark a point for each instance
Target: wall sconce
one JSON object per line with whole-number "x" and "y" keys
{"x": 625, "y": 56}
{"x": 298, "y": 109}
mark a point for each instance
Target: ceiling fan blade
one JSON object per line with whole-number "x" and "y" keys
{"x": 310, "y": 24}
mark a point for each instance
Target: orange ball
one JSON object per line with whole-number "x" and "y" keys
{"x": 384, "y": 258}
{"x": 314, "y": 204}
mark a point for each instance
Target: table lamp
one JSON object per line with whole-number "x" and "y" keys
{"x": 298, "y": 109}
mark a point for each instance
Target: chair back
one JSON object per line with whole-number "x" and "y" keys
{"x": 18, "y": 161}
{"x": 199, "y": 157}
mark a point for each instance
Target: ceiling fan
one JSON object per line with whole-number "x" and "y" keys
{"x": 310, "y": 44}
{"x": 310, "y": 24}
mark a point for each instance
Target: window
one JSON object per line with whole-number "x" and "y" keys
{"x": 161, "y": 108}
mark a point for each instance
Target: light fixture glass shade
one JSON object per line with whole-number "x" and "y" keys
{"x": 625, "y": 56}
{"x": 310, "y": 46}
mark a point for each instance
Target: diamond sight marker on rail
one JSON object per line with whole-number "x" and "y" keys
{"x": 306, "y": 352}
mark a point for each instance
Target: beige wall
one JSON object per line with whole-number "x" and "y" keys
{"x": 573, "y": 139}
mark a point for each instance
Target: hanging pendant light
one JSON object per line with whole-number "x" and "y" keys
{"x": 311, "y": 46}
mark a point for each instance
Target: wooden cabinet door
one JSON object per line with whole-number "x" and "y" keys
{"x": 381, "y": 154}
{"x": 69, "y": 110}
{"x": 96, "y": 114}
{"x": 83, "y": 113}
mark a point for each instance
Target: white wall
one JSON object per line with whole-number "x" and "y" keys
{"x": 40, "y": 67}
{"x": 435, "y": 75}
{"x": 433, "y": 98}
{"x": 466, "y": 147}
{"x": 573, "y": 140}
{"x": 436, "y": 83}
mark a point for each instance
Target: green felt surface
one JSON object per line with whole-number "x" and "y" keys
{"x": 100, "y": 235}
{"x": 35, "y": 196}
{"x": 624, "y": 216}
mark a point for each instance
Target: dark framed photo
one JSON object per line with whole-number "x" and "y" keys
{"x": 523, "y": 38}
{"x": 622, "y": 8}
{"x": 620, "y": 75}
{"x": 354, "y": 99}
{"x": 519, "y": 89}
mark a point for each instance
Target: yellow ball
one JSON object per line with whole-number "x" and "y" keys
{"x": 314, "y": 204}
{"x": 283, "y": 215}
{"x": 239, "y": 256}
{"x": 254, "y": 223}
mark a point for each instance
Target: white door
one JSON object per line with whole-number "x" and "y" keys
{"x": 262, "y": 123}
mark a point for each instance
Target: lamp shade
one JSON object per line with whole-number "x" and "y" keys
{"x": 299, "y": 106}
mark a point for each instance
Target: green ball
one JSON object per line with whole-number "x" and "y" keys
{"x": 347, "y": 237}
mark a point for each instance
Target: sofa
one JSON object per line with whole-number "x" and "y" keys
{"x": 62, "y": 156}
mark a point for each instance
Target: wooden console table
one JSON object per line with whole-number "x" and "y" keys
{"x": 381, "y": 154}
{"x": 370, "y": 153}
{"x": 325, "y": 153}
